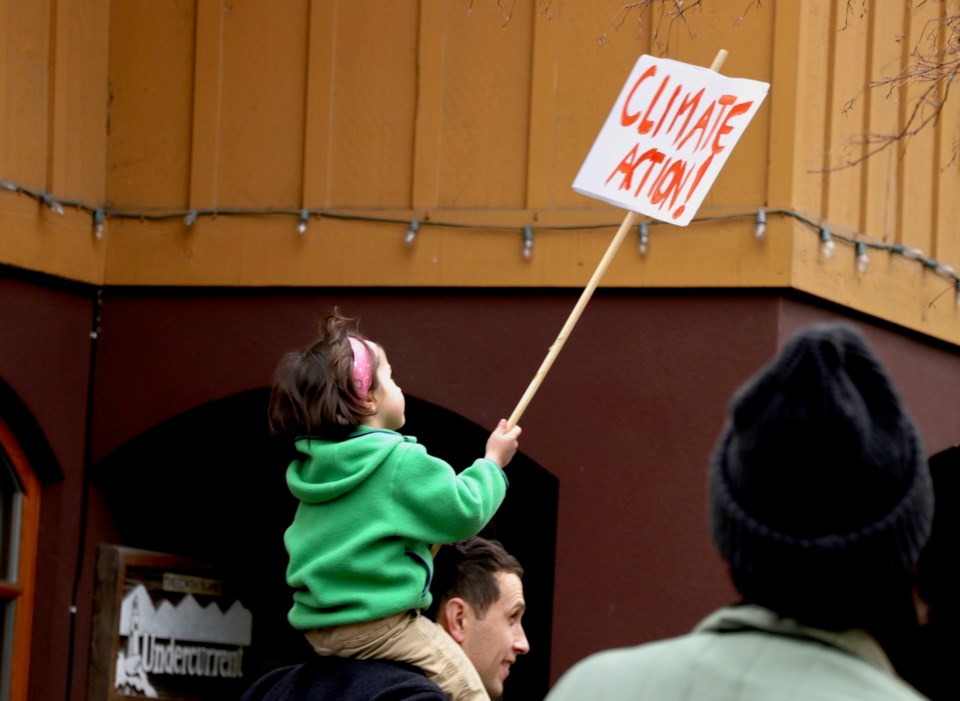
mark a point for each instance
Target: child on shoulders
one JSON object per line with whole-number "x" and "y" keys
{"x": 372, "y": 501}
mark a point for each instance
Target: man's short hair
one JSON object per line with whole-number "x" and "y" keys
{"x": 467, "y": 570}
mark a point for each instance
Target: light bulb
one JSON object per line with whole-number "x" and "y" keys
{"x": 643, "y": 235}
{"x": 99, "y": 224}
{"x": 54, "y": 206}
{"x": 527, "y": 242}
{"x": 761, "y": 229}
{"x": 863, "y": 261}
{"x": 411, "y": 235}
{"x": 827, "y": 247}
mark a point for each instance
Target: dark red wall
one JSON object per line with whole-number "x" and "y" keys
{"x": 626, "y": 418}
{"x": 45, "y": 347}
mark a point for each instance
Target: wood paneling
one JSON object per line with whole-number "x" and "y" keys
{"x": 207, "y": 102}
{"x": 79, "y": 98}
{"x": 881, "y": 202}
{"x": 27, "y": 67}
{"x": 318, "y": 107}
{"x": 542, "y": 125}
{"x": 845, "y": 121}
{"x": 150, "y": 169}
{"x": 4, "y": 69}
{"x": 34, "y": 238}
{"x": 425, "y": 174}
{"x": 375, "y": 88}
{"x": 919, "y": 157}
{"x": 798, "y": 106}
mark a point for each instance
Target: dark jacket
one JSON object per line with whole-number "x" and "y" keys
{"x": 343, "y": 679}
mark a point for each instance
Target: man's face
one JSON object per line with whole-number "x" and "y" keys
{"x": 493, "y": 642}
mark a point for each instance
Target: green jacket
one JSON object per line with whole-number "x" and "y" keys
{"x": 742, "y": 653}
{"x": 370, "y": 507}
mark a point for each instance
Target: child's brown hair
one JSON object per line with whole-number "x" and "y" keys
{"x": 313, "y": 392}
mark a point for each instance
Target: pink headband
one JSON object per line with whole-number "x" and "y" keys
{"x": 362, "y": 355}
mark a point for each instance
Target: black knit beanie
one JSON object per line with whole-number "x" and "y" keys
{"x": 820, "y": 496}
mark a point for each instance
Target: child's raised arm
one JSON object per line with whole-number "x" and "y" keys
{"x": 503, "y": 443}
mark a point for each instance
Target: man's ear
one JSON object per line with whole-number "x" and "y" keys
{"x": 453, "y": 616}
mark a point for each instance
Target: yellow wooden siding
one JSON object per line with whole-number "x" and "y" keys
{"x": 78, "y": 101}
{"x": 53, "y": 122}
{"x": 797, "y": 105}
{"x": 846, "y": 61}
{"x": 947, "y": 182}
{"x": 27, "y": 69}
{"x": 467, "y": 113}
{"x": 151, "y": 97}
{"x": 881, "y": 198}
{"x": 919, "y": 165}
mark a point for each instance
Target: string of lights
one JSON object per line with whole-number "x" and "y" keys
{"x": 861, "y": 244}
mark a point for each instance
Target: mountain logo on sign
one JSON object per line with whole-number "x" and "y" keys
{"x": 187, "y": 620}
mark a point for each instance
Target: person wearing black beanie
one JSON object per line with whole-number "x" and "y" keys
{"x": 820, "y": 501}
{"x": 820, "y": 495}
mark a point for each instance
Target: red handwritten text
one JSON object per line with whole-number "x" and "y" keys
{"x": 692, "y": 125}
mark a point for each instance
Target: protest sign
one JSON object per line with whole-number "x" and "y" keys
{"x": 666, "y": 138}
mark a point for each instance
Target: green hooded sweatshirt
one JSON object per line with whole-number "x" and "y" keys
{"x": 370, "y": 507}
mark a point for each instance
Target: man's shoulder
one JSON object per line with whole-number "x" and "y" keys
{"x": 345, "y": 679}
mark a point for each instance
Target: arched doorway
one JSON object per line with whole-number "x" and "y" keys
{"x": 209, "y": 485}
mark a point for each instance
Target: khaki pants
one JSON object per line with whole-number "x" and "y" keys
{"x": 406, "y": 637}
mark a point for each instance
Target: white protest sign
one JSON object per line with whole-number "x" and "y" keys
{"x": 667, "y": 137}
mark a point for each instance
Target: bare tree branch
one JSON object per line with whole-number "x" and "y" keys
{"x": 667, "y": 12}
{"x": 850, "y": 11}
{"x": 933, "y": 67}
{"x": 506, "y": 10}
{"x": 925, "y": 81}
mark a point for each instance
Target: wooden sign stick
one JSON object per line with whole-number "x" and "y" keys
{"x": 628, "y": 222}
